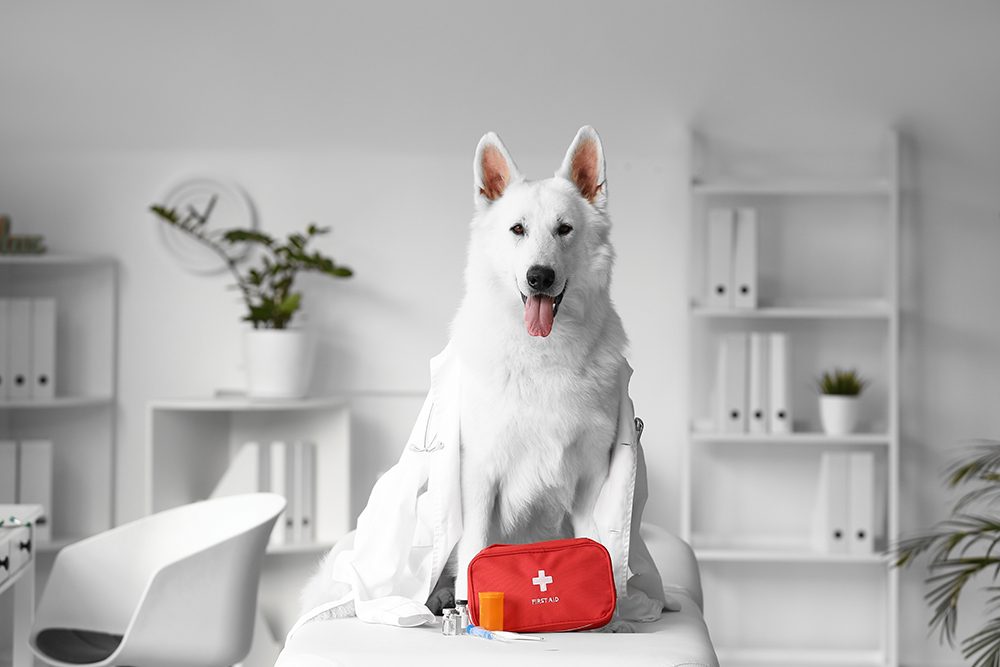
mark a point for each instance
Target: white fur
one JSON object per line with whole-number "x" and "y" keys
{"x": 538, "y": 415}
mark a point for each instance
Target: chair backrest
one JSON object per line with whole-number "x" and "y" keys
{"x": 179, "y": 586}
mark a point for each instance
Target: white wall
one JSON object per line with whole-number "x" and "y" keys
{"x": 364, "y": 116}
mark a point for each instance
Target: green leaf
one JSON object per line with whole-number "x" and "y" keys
{"x": 247, "y": 236}
{"x": 168, "y": 214}
{"x": 290, "y": 304}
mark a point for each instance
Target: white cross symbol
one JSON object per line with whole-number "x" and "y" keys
{"x": 542, "y": 581}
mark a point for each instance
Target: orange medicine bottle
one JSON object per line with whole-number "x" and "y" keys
{"x": 491, "y": 610}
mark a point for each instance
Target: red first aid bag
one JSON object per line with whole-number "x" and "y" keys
{"x": 548, "y": 586}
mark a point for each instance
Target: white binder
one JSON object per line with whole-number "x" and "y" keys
{"x": 861, "y": 502}
{"x": 35, "y": 483}
{"x": 43, "y": 348}
{"x": 19, "y": 350}
{"x": 732, "y": 391}
{"x": 4, "y": 349}
{"x": 757, "y": 384}
{"x": 779, "y": 380}
{"x": 719, "y": 258}
{"x": 745, "y": 259}
{"x": 295, "y": 491}
{"x": 830, "y": 518}
{"x": 280, "y": 483}
{"x": 308, "y": 505}
{"x": 8, "y": 472}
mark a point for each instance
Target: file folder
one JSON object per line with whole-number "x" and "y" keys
{"x": 719, "y": 260}
{"x": 779, "y": 380}
{"x": 35, "y": 483}
{"x": 296, "y": 489}
{"x": 281, "y": 470}
{"x": 861, "y": 502}
{"x": 8, "y": 472}
{"x": 4, "y": 349}
{"x": 757, "y": 384}
{"x": 19, "y": 350}
{"x": 830, "y": 519}
{"x": 745, "y": 259}
{"x": 733, "y": 383}
{"x": 308, "y": 505}
{"x": 43, "y": 348}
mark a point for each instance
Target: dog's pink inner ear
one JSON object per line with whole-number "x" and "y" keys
{"x": 496, "y": 174}
{"x": 584, "y": 171}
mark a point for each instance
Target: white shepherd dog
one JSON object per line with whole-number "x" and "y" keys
{"x": 541, "y": 351}
{"x": 541, "y": 347}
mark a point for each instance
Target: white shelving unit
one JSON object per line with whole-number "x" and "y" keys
{"x": 80, "y": 420}
{"x": 828, "y": 276}
{"x": 189, "y": 445}
{"x": 191, "y": 442}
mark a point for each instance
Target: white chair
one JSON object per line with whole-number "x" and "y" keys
{"x": 177, "y": 588}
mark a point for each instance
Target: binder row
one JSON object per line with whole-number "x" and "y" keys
{"x": 27, "y": 348}
{"x": 26, "y": 478}
{"x": 731, "y": 258}
{"x": 844, "y": 517}
{"x": 286, "y": 468}
{"x": 754, "y": 378}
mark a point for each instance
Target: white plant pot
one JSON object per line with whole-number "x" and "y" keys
{"x": 838, "y": 414}
{"x": 279, "y": 362}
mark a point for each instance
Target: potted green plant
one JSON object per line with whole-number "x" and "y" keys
{"x": 961, "y": 548}
{"x": 838, "y": 401}
{"x": 278, "y": 357}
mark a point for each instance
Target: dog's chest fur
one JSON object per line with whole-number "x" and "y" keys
{"x": 534, "y": 427}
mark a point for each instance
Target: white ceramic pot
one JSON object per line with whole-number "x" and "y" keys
{"x": 838, "y": 414}
{"x": 279, "y": 362}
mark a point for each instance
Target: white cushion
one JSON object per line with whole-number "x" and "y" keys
{"x": 678, "y": 638}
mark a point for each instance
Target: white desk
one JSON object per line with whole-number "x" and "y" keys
{"x": 17, "y": 578}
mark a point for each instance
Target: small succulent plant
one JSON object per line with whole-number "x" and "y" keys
{"x": 842, "y": 383}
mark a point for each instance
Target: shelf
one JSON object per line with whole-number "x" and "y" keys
{"x": 749, "y": 657}
{"x": 191, "y": 442}
{"x": 47, "y": 259}
{"x": 57, "y": 402}
{"x": 806, "y": 439}
{"x": 782, "y": 556}
{"x": 875, "y": 309}
{"x": 846, "y": 188}
{"x": 241, "y": 403}
{"x": 820, "y": 254}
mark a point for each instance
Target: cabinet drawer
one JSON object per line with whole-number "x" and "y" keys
{"x": 5, "y": 569}
{"x": 20, "y": 545}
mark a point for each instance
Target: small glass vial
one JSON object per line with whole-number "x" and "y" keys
{"x": 462, "y": 607}
{"x": 449, "y": 625}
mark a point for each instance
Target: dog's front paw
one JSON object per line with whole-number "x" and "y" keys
{"x": 441, "y": 599}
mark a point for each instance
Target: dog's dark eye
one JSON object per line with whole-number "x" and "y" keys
{"x": 564, "y": 229}
{"x": 518, "y": 229}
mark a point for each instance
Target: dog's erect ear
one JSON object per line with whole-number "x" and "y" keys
{"x": 584, "y": 166}
{"x": 493, "y": 170}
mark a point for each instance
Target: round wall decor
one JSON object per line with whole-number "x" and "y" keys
{"x": 225, "y": 204}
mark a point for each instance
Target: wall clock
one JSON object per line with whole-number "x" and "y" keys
{"x": 227, "y": 206}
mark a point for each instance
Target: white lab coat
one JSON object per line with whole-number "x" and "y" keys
{"x": 413, "y": 519}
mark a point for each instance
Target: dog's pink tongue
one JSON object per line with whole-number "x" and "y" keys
{"x": 538, "y": 314}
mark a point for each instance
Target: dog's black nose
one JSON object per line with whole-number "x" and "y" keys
{"x": 541, "y": 277}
